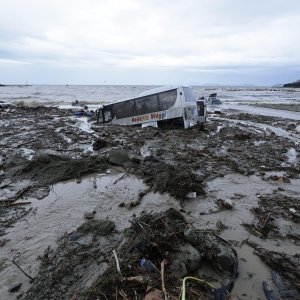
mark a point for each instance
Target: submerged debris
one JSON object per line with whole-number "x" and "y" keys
{"x": 271, "y": 208}
{"x": 178, "y": 182}
{"x": 99, "y": 227}
{"x": 158, "y": 240}
{"x": 155, "y": 256}
{"x": 178, "y": 162}
{"x": 283, "y": 289}
{"x": 287, "y": 265}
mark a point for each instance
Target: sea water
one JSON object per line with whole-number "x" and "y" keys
{"x": 64, "y": 95}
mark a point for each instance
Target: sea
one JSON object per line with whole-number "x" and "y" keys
{"x": 97, "y": 95}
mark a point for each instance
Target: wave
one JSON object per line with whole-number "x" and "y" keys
{"x": 35, "y": 103}
{"x": 15, "y": 98}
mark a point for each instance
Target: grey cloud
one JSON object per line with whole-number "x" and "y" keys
{"x": 185, "y": 37}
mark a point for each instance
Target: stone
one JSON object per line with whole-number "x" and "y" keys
{"x": 15, "y": 287}
{"x": 154, "y": 294}
{"x": 188, "y": 255}
{"x": 225, "y": 259}
{"x": 191, "y": 236}
{"x": 119, "y": 157}
{"x": 178, "y": 268}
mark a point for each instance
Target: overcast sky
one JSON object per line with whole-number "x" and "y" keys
{"x": 149, "y": 41}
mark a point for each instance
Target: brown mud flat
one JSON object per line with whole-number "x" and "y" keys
{"x": 202, "y": 168}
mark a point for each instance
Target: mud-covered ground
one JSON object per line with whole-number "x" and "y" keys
{"x": 283, "y": 106}
{"x": 235, "y": 181}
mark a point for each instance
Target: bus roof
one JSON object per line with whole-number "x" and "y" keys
{"x": 159, "y": 89}
{"x": 151, "y": 92}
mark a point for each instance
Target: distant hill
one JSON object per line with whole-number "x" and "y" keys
{"x": 295, "y": 84}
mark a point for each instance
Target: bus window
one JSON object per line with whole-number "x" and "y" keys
{"x": 188, "y": 94}
{"x": 167, "y": 99}
{"x": 123, "y": 109}
{"x": 146, "y": 105}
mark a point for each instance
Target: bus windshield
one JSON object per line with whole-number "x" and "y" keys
{"x": 189, "y": 95}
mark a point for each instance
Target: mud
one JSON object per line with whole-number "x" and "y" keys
{"x": 272, "y": 211}
{"x": 141, "y": 240}
{"x": 290, "y": 126}
{"x": 245, "y": 160}
{"x": 283, "y": 106}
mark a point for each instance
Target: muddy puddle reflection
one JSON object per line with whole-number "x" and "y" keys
{"x": 63, "y": 211}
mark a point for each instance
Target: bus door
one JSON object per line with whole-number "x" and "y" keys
{"x": 190, "y": 109}
{"x": 104, "y": 115}
{"x": 201, "y": 108}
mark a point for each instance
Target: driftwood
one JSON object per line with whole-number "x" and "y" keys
{"x": 163, "y": 279}
{"x": 265, "y": 222}
{"x": 26, "y": 274}
{"x": 121, "y": 177}
{"x": 18, "y": 203}
{"x": 26, "y": 143}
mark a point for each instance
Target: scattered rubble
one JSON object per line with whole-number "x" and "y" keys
{"x": 286, "y": 265}
{"x": 155, "y": 255}
{"x": 42, "y": 146}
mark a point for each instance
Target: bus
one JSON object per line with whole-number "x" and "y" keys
{"x": 159, "y": 107}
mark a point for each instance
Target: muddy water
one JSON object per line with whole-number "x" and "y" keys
{"x": 63, "y": 211}
{"x": 265, "y": 127}
{"x": 243, "y": 191}
{"x": 264, "y": 111}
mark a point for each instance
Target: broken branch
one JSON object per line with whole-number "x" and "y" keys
{"x": 27, "y": 275}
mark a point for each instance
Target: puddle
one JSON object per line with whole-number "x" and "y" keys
{"x": 243, "y": 191}
{"x": 252, "y": 272}
{"x": 271, "y": 112}
{"x": 62, "y": 211}
{"x": 268, "y": 129}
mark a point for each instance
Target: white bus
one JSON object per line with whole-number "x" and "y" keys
{"x": 160, "y": 107}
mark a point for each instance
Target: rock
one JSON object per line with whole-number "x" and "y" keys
{"x": 154, "y": 294}
{"x": 99, "y": 144}
{"x": 178, "y": 268}
{"x": 3, "y": 242}
{"x": 189, "y": 256}
{"x": 225, "y": 258}
{"x": 120, "y": 157}
{"x": 191, "y": 236}
{"x": 39, "y": 193}
{"x": 15, "y": 287}
{"x": 74, "y": 236}
{"x": 89, "y": 215}
{"x": 225, "y": 203}
{"x": 15, "y": 160}
{"x": 98, "y": 227}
